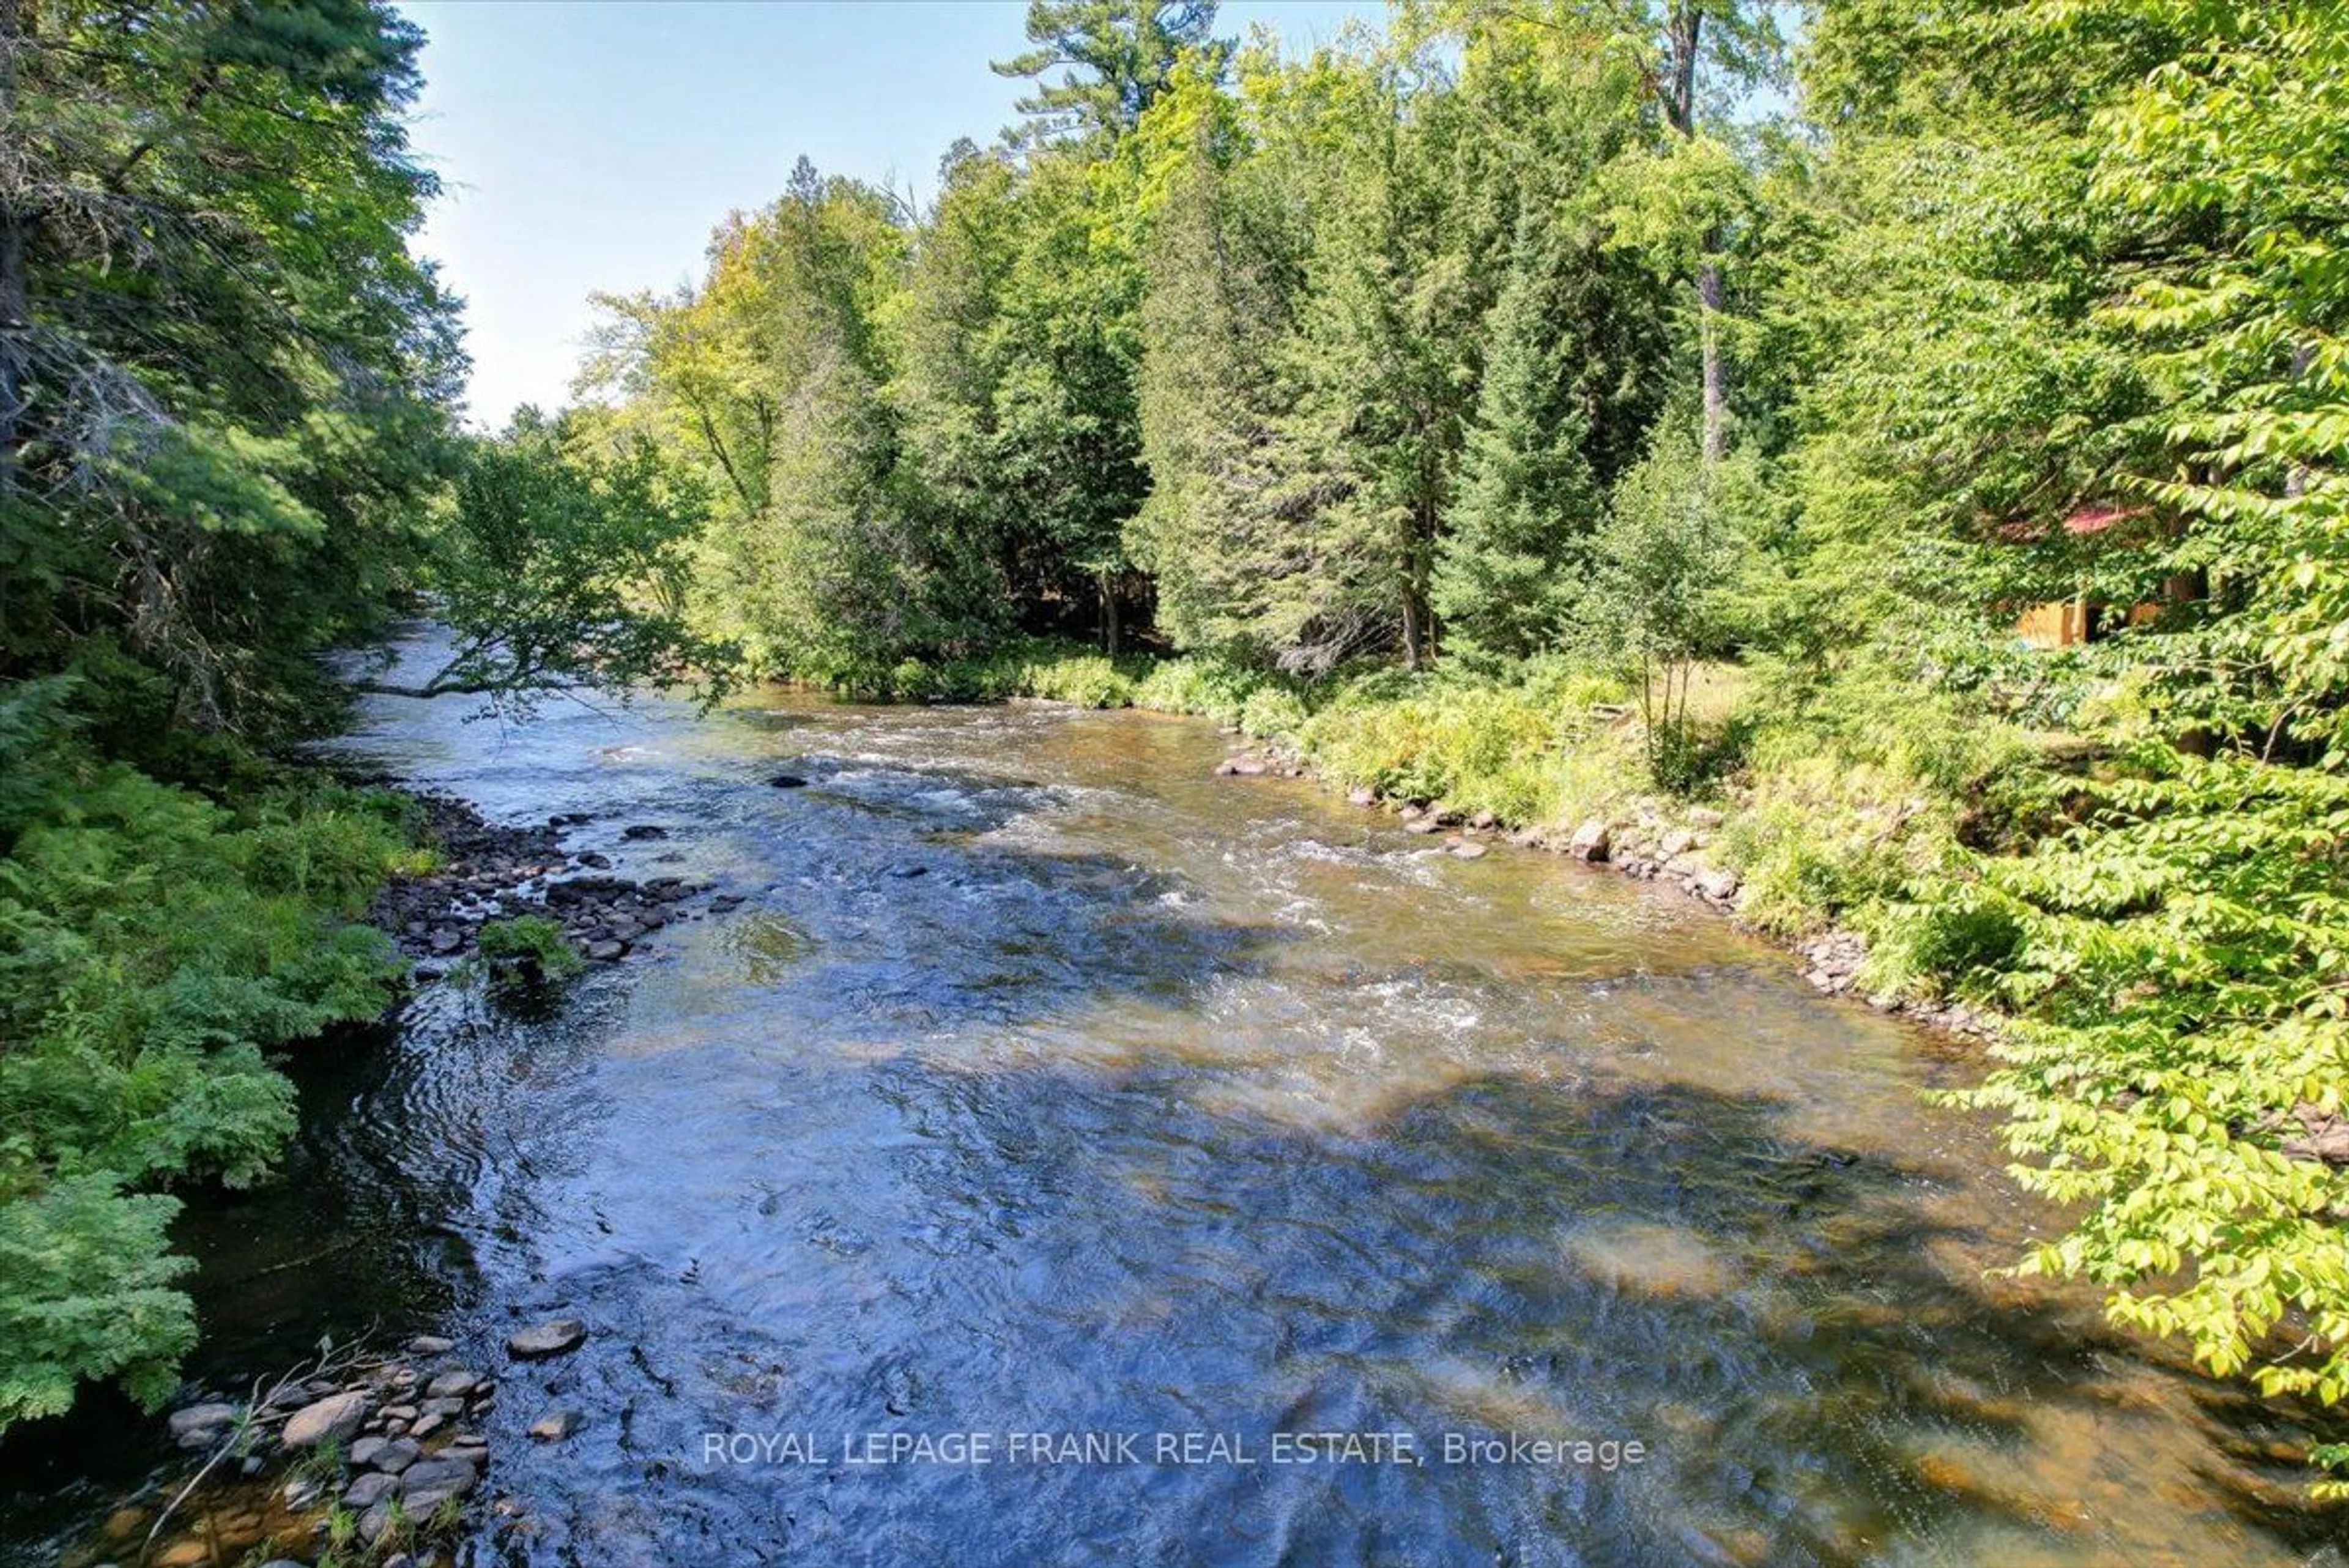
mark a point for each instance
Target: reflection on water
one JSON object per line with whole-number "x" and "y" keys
{"x": 1045, "y": 1084}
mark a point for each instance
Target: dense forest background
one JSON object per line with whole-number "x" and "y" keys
{"x": 1544, "y": 408}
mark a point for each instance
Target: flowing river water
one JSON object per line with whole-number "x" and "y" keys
{"x": 1046, "y": 1086}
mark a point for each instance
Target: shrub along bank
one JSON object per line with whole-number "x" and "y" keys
{"x": 155, "y": 947}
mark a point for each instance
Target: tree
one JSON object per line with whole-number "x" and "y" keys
{"x": 561, "y": 570}
{"x": 1225, "y": 236}
{"x": 1120, "y": 56}
{"x": 1527, "y": 500}
{"x": 1015, "y": 345}
{"x": 219, "y": 366}
{"x": 1691, "y": 59}
{"x": 1380, "y": 359}
{"x": 1670, "y": 559}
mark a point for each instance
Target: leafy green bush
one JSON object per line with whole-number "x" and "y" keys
{"x": 85, "y": 1290}
{"x": 1272, "y": 713}
{"x": 1090, "y": 681}
{"x": 2179, "y": 986}
{"x": 528, "y": 949}
{"x": 1202, "y": 684}
{"x": 1961, "y": 940}
{"x": 1474, "y": 747}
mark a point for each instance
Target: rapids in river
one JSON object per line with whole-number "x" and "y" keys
{"x": 1059, "y": 1138}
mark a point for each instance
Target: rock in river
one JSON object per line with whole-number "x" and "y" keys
{"x": 788, "y": 780}
{"x": 429, "y": 1484}
{"x": 559, "y": 1337}
{"x": 555, "y": 1426}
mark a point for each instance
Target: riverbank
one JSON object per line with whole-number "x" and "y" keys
{"x": 1653, "y": 839}
{"x": 318, "y": 905}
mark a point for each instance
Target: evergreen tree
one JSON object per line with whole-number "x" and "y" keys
{"x": 1120, "y": 56}
{"x": 220, "y": 368}
{"x": 1223, "y": 263}
{"x": 1527, "y": 500}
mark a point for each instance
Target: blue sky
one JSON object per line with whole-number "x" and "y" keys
{"x": 593, "y": 146}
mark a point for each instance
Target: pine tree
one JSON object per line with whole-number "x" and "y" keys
{"x": 1121, "y": 55}
{"x": 1527, "y": 500}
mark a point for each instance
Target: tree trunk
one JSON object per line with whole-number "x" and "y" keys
{"x": 1109, "y": 611}
{"x": 1684, "y": 34}
{"x": 15, "y": 284}
{"x": 1684, "y": 30}
{"x": 1716, "y": 373}
{"x": 1418, "y": 619}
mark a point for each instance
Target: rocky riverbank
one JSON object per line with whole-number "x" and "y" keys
{"x": 490, "y": 872}
{"x": 1655, "y": 842}
{"x": 378, "y": 1458}
{"x": 360, "y": 1458}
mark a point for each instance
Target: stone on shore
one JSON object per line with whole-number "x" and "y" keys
{"x": 201, "y": 1426}
{"x": 1719, "y": 886}
{"x": 333, "y": 1419}
{"x": 1590, "y": 842}
{"x": 429, "y": 1484}
{"x": 368, "y": 1490}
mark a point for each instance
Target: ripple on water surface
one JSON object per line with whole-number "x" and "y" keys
{"x": 1046, "y": 1083}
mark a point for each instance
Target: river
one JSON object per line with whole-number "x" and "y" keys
{"x": 1058, "y": 1132}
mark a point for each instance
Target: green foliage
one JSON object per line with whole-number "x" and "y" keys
{"x": 152, "y": 946}
{"x": 1508, "y": 569}
{"x": 1470, "y": 746}
{"x": 232, "y": 373}
{"x": 1119, "y": 55}
{"x": 1669, "y": 561}
{"x": 1211, "y": 688}
{"x": 559, "y": 569}
{"x": 1273, "y": 714}
{"x": 2183, "y": 1024}
{"x": 528, "y": 949}
{"x": 86, "y": 1292}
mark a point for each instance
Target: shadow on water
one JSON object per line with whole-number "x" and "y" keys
{"x": 1627, "y": 1260}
